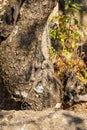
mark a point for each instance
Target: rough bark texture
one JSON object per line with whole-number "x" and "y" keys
{"x": 24, "y": 62}
{"x": 45, "y": 120}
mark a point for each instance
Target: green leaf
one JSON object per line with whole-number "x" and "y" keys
{"x": 73, "y": 44}
{"x": 75, "y": 21}
{"x": 77, "y": 6}
{"x": 76, "y": 35}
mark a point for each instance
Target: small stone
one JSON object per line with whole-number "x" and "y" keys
{"x": 58, "y": 105}
{"x": 24, "y": 94}
{"x": 39, "y": 89}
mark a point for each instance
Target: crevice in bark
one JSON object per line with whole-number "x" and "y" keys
{"x": 26, "y": 40}
{"x": 6, "y": 102}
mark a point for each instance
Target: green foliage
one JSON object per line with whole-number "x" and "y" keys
{"x": 68, "y": 32}
{"x": 70, "y": 5}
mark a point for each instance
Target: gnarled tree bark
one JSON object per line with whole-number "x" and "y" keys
{"x": 25, "y": 67}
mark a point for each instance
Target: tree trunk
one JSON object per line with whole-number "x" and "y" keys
{"x": 25, "y": 67}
